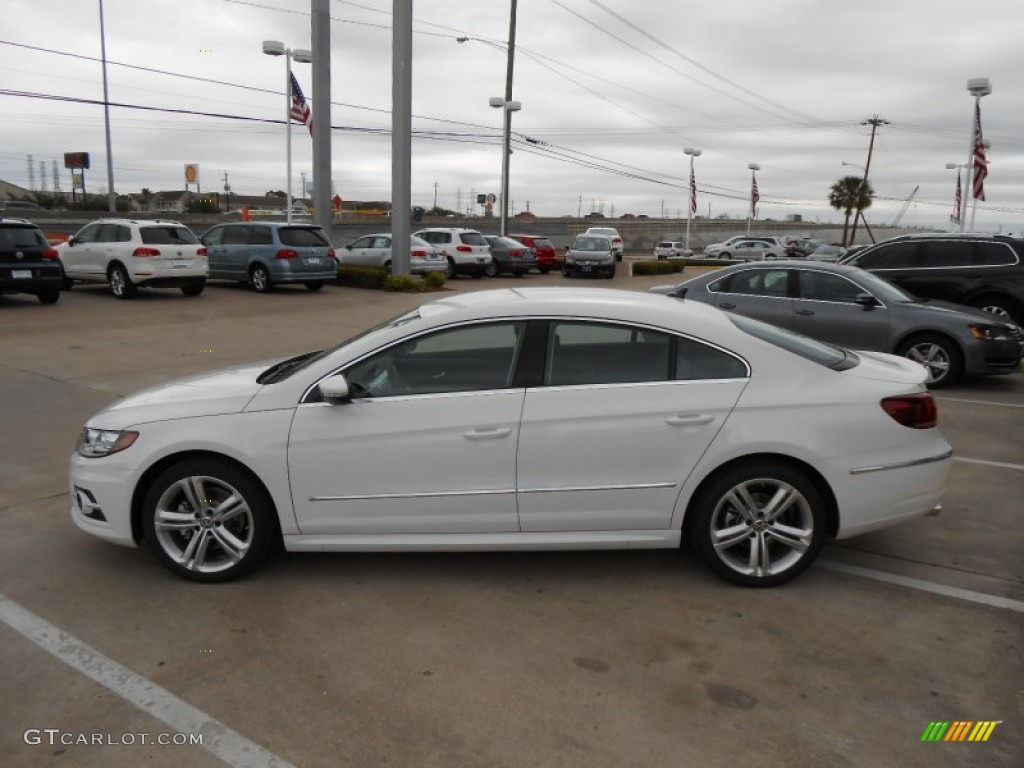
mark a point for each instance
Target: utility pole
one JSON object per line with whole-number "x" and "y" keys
{"x": 31, "y": 174}
{"x": 227, "y": 193}
{"x": 435, "y": 194}
{"x": 579, "y": 208}
{"x": 874, "y": 121}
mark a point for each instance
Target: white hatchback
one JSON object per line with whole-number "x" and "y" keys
{"x": 483, "y": 421}
{"x": 129, "y": 254}
{"x": 466, "y": 250}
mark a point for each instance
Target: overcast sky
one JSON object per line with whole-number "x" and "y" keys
{"x": 612, "y": 91}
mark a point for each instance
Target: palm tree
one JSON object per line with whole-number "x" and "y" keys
{"x": 849, "y": 194}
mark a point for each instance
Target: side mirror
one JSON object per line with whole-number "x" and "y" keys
{"x": 71, "y": 242}
{"x": 348, "y": 247}
{"x": 568, "y": 248}
{"x": 335, "y": 390}
{"x": 866, "y": 300}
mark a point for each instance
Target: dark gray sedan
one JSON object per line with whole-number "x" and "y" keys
{"x": 852, "y": 308}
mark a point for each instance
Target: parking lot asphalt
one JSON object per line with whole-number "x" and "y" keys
{"x": 523, "y": 659}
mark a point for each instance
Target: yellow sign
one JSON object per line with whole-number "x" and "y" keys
{"x": 191, "y": 173}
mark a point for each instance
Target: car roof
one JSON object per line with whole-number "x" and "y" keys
{"x": 448, "y": 229}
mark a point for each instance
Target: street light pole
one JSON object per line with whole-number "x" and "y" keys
{"x": 111, "y": 195}
{"x": 977, "y": 87}
{"x": 507, "y": 136}
{"x": 689, "y": 203}
{"x": 276, "y": 48}
{"x": 754, "y": 168}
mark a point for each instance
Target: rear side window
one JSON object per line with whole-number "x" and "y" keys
{"x": 592, "y": 353}
{"x": 21, "y": 237}
{"x": 947, "y": 253}
{"x": 473, "y": 238}
{"x": 542, "y": 242}
{"x": 695, "y": 360}
{"x": 167, "y": 235}
{"x": 306, "y": 237}
{"x": 755, "y": 282}
{"x": 260, "y": 236}
{"x": 994, "y": 255}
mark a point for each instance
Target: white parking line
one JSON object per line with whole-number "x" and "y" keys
{"x": 979, "y": 402}
{"x": 224, "y": 743}
{"x": 987, "y": 463}
{"x": 970, "y": 595}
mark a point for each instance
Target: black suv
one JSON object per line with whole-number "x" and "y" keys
{"x": 983, "y": 271}
{"x": 27, "y": 262}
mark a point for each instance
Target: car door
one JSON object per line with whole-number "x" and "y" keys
{"x": 622, "y": 417}
{"x": 78, "y": 257}
{"x": 356, "y": 252}
{"x": 113, "y": 243}
{"x": 827, "y": 309}
{"x": 381, "y": 253}
{"x": 213, "y": 240}
{"x": 233, "y": 254}
{"x": 427, "y": 443}
{"x": 760, "y": 292}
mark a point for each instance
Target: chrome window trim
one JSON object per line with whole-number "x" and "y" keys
{"x": 903, "y": 464}
{"x": 1013, "y": 251}
{"x": 881, "y": 304}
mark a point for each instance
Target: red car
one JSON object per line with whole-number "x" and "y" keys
{"x": 546, "y": 256}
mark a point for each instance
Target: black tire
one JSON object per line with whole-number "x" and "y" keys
{"x": 451, "y": 271}
{"x": 232, "y": 543}
{"x": 940, "y": 355}
{"x": 611, "y": 273}
{"x": 314, "y": 287}
{"x": 519, "y": 273}
{"x": 66, "y": 283}
{"x": 387, "y": 266}
{"x": 618, "y": 257}
{"x": 724, "y": 255}
{"x": 544, "y": 270}
{"x": 491, "y": 270}
{"x": 566, "y": 273}
{"x": 478, "y": 274}
{"x": 193, "y": 289}
{"x": 49, "y": 297}
{"x": 784, "y": 542}
{"x": 259, "y": 279}
{"x": 120, "y": 284}
{"x": 1005, "y": 309}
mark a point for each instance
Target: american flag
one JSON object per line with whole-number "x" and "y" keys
{"x": 301, "y": 113}
{"x": 955, "y": 218}
{"x": 693, "y": 192}
{"x": 980, "y": 163}
{"x": 755, "y": 197}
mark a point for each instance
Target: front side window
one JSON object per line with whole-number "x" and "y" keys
{"x": 890, "y": 256}
{"x": 109, "y": 233}
{"x": 236, "y": 235}
{"x": 89, "y": 234}
{"x": 362, "y": 242}
{"x": 214, "y": 237}
{"x": 823, "y": 286}
{"x": 464, "y": 359}
{"x": 594, "y": 353}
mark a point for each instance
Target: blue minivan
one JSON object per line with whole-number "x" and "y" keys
{"x": 265, "y": 253}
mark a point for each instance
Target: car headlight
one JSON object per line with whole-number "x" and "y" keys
{"x": 570, "y": 260}
{"x": 991, "y": 333}
{"x": 95, "y": 443}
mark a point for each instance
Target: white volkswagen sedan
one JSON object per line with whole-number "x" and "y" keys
{"x": 484, "y": 421}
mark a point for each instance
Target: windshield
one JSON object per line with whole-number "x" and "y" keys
{"x": 592, "y": 244}
{"x": 284, "y": 369}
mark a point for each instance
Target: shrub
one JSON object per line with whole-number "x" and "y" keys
{"x": 403, "y": 284}
{"x": 435, "y": 279}
{"x": 664, "y": 267}
{"x": 362, "y": 277}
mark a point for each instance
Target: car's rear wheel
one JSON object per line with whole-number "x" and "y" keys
{"x": 1004, "y": 309}
{"x": 66, "y": 283}
{"x": 450, "y": 272}
{"x": 759, "y": 525}
{"x": 259, "y": 279}
{"x": 491, "y": 270}
{"x": 208, "y": 520}
{"x": 940, "y": 356}
{"x": 314, "y": 287}
{"x": 49, "y": 297}
{"x": 120, "y": 284}
{"x": 387, "y": 266}
{"x": 193, "y": 289}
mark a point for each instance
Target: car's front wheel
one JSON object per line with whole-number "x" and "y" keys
{"x": 259, "y": 279}
{"x": 759, "y": 525}
{"x": 121, "y": 284}
{"x": 208, "y": 520}
{"x": 940, "y": 356}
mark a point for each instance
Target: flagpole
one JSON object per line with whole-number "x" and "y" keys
{"x": 977, "y": 87}
{"x": 288, "y": 123}
{"x": 754, "y": 168}
{"x": 693, "y": 188}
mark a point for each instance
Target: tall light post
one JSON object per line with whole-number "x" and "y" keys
{"x": 509, "y": 106}
{"x": 754, "y": 168}
{"x": 111, "y": 194}
{"x": 304, "y": 56}
{"x": 977, "y": 87}
{"x": 690, "y": 204}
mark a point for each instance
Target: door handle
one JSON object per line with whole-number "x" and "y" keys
{"x": 805, "y": 312}
{"x": 690, "y": 419}
{"x": 727, "y": 305}
{"x": 492, "y": 433}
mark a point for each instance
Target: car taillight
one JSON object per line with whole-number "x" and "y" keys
{"x": 464, "y": 249}
{"x": 914, "y": 411}
{"x": 616, "y": 239}
{"x": 146, "y": 252}
{"x": 287, "y": 253}
{"x": 418, "y": 254}
{"x": 201, "y": 252}
{"x": 515, "y": 253}
{"x": 331, "y": 254}
{"x": 50, "y": 254}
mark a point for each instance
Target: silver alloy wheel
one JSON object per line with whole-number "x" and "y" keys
{"x": 260, "y": 279}
{"x": 934, "y": 357}
{"x": 118, "y": 282}
{"x": 762, "y": 527}
{"x": 998, "y": 310}
{"x": 203, "y": 524}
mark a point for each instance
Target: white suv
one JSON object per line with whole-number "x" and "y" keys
{"x": 128, "y": 254}
{"x": 466, "y": 250}
{"x": 613, "y": 235}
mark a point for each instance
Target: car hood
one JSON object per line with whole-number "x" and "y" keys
{"x": 207, "y": 394}
{"x": 965, "y": 313}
